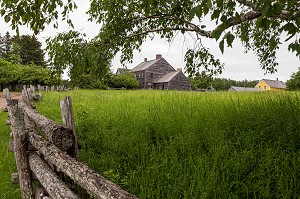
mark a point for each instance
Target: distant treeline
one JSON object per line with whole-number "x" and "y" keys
{"x": 202, "y": 81}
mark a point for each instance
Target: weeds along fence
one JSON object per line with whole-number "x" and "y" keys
{"x": 48, "y": 153}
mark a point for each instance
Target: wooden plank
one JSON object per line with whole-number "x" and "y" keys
{"x": 20, "y": 146}
{"x": 68, "y": 122}
{"x": 80, "y": 173}
{"x": 48, "y": 179}
{"x": 60, "y": 136}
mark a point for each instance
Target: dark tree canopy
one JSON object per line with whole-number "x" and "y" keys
{"x": 23, "y": 49}
{"x": 30, "y": 50}
{"x": 261, "y": 25}
{"x": 294, "y": 82}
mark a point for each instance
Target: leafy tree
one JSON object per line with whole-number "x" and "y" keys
{"x": 80, "y": 56}
{"x": 124, "y": 80}
{"x": 201, "y": 81}
{"x": 87, "y": 81}
{"x": 126, "y": 24}
{"x": 5, "y": 45}
{"x": 294, "y": 82}
{"x": 14, "y": 74}
{"x": 30, "y": 50}
{"x": 13, "y": 55}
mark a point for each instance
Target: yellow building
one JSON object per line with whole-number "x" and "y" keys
{"x": 270, "y": 85}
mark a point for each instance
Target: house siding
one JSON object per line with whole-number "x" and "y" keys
{"x": 262, "y": 85}
{"x": 157, "y": 70}
{"x": 179, "y": 82}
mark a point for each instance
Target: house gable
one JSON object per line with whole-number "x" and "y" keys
{"x": 267, "y": 84}
{"x": 179, "y": 82}
{"x": 173, "y": 81}
{"x": 156, "y": 72}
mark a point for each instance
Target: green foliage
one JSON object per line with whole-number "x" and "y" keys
{"x": 30, "y": 50}
{"x": 5, "y": 45}
{"x": 174, "y": 144}
{"x": 86, "y": 81}
{"x": 81, "y": 57}
{"x": 23, "y": 49}
{"x": 223, "y": 84}
{"x": 294, "y": 82}
{"x": 204, "y": 81}
{"x": 201, "y": 81}
{"x": 13, "y": 55}
{"x": 35, "y": 13}
{"x": 13, "y": 74}
{"x": 126, "y": 24}
{"x": 124, "y": 80}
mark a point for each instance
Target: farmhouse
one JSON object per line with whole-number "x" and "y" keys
{"x": 159, "y": 74}
{"x": 243, "y": 89}
{"x": 271, "y": 85}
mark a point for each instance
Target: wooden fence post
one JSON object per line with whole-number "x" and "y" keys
{"x": 68, "y": 122}
{"x": 20, "y": 147}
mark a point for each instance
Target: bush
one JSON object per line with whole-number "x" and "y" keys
{"x": 125, "y": 80}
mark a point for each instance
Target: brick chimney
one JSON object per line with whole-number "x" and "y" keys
{"x": 145, "y": 59}
{"x": 158, "y": 56}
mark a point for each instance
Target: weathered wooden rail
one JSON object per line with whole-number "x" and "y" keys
{"x": 44, "y": 150}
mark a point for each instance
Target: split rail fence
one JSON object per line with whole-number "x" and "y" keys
{"x": 48, "y": 152}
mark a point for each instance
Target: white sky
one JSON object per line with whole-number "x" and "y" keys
{"x": 238, "y": 65}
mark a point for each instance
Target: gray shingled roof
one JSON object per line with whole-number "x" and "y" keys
{"x": 275, "y": 83}
{"x": 122, "y": 70}
{"x": 167, "y": 77}
{"x": 144, "y": 65}
{"x": 236, "y": 88}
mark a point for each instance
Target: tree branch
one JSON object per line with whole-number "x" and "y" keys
{"x": 235, "y": 21}
{"x": 248, "y": 4}
{"x": 205, "y": 33}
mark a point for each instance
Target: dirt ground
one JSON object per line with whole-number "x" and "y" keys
{"x": 14, "y": 95}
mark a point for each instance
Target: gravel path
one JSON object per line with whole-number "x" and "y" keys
{"x": 14, "y": 95}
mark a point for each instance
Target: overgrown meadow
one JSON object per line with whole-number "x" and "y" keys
{"x": 7, "y": 162}
{"x": 168, "y": 144}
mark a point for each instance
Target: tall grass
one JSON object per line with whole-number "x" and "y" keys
{"x": 7, "y": 162}
{"x": 189, "y": 145}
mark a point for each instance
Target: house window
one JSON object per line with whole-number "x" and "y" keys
{"x": 259, "y": 87}
{"x": 137, "y": 76}
{"x": 151, "y": 74}
{"x": 265, "y": 87}
{"x": 142, "y": 75}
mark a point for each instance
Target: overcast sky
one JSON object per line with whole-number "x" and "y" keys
{"x": 238, "y": 65}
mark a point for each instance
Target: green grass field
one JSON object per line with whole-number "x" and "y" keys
{"x": 168, "y": 144}
{"x": 7, "y": 163}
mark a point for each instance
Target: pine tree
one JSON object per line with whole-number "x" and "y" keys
{"x": 30, "y": 50}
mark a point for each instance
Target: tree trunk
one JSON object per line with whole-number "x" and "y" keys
{"x": 80, "y": 173}
{"x": 48, "y": 179}
{"x": 58, "y": 135}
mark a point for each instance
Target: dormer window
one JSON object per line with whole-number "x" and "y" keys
{"x": 151, "y": 74}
